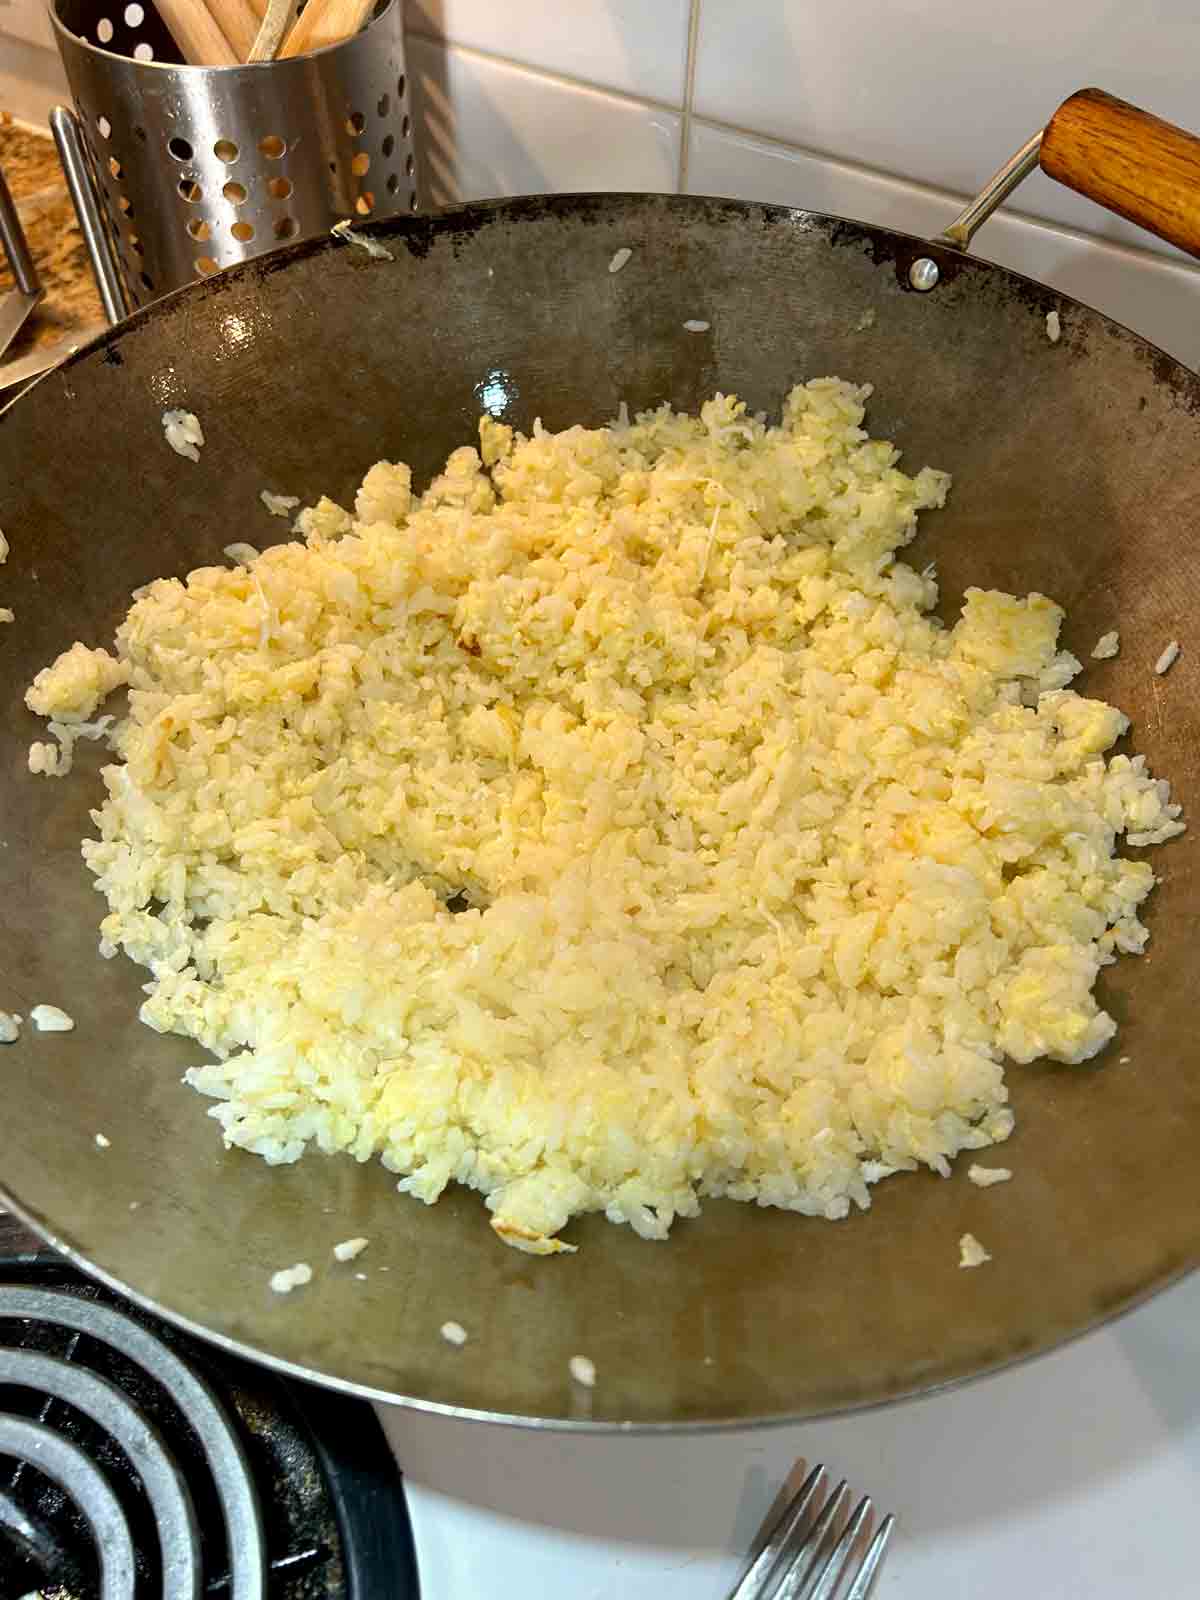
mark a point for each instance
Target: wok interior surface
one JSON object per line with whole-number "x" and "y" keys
{"x": 1075, "y": 467}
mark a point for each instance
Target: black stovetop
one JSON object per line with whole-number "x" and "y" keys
{"x": 137, "y": 1461}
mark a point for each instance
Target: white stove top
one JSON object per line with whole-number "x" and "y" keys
{"x": 1076, "y": 1475}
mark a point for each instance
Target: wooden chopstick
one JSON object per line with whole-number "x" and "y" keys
{"x": 201, "y": 41}
{"x": 325, "y": 22}
{"x": 238, "y": 22}
{"x": 226, "y": 33}
{"x": 275, "y": 24}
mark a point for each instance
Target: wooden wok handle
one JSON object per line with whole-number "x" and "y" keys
{"x": 1128, "y": 161}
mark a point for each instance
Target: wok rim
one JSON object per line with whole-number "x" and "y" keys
{"x": 581, "y": 1426}
{"x": 483, "y": 212}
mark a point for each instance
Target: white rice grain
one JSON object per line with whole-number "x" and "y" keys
{"x": 1168, "y": 658}
{"x": 10, "y": 1028}
{"x": 379, "y": 252}
{"x": 970, "y": 1252}
{"x": 1106, "y": 646}
{"x": 47, "y": 760}
{"x": 51, "y": 1019}
{"x": 1053, "y": 327}
{"x": 350, "y": 1249}
{"x": 289, "y": 1278}
{"x": 620, "y": 258}
{"x": 103, "y": 1142}
{"x": 987, "y": 1177}
{"x": 583, "y": 1371}
{"x": 184, "y": 433}
{"x": 695, "y": 325}
{"x": 454, "y": 1333}
{"x": 279, "y": 505}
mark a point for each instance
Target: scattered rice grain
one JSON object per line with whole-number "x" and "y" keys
{"x": 619, "y": 260}
{"x": 1168, "y": 658}
{"x": 1106, "y": 646}
{"x": 51, "y": 1019}
{"x": 343, "y": 230}
{"x": 970, "y": 1252}
{"x": 279, "y": 505}
{"x": 987, "y": 1177}
{"x": 583, "y": 1371}
{"x": 454, "y": 1333}
{"x": 349, "y": 1249}
{"x": 1053, "y": 327}
{"x": 289, "y": 1278}
{"x": 184, "y": 433}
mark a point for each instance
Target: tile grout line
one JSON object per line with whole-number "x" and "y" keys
{"x": 689, "y": 94}
{"x": 954, "y": 200}
{"x": 564, "y": 80}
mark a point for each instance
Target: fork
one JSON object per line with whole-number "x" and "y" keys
{"x": 807, "y": 1555}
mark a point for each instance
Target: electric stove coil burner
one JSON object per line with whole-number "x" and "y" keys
{"x": 165, "y": 1487}
{"x": 126, "y": 1473}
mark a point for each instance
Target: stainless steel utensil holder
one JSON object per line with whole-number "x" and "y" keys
{"x": 195, "y": 168}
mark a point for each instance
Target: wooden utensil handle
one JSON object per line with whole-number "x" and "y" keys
{"x": 239, "y": 22}
{"x": 1132, "y": 163}
{"x": 325, "y": 22}
{"x": 200, "y": 40}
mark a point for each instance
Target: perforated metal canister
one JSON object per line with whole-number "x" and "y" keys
{"x": 196, "y": 168}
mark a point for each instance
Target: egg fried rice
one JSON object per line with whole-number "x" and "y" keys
{"x": 613, "y": 825}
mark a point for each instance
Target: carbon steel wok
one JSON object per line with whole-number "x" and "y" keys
{"x": 1077, "y": 472}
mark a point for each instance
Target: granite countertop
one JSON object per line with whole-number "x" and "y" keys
{"x": 71, "y": 304}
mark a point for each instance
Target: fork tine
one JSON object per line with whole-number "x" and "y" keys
{"x": 786, "y": 1536}
{"x": 865, "y": 1581}
{"x": 799, "y": 1575}
{"x": 836, "y": 1568}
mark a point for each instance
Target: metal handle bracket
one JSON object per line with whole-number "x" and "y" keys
{"x": 923, "y": 275}
{"x": 65, "y": 127}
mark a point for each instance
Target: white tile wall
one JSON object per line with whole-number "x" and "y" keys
{"x": 28, "y": 20}
{"x": 892, "y": 110}
{"x": 32, "y": 80}
{"x": 636, "y": 46}
{"x": 940, "y": 90}
{"x": 490, "y": 128}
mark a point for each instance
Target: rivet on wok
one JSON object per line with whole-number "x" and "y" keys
{"x": 924, "y": 275}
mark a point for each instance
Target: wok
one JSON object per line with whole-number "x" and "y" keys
{"x": 1077, "y": 472}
